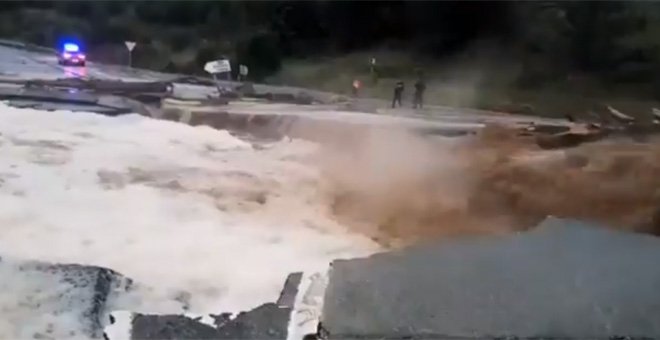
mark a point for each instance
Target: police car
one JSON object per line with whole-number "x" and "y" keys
{"x": 71, "y": 54}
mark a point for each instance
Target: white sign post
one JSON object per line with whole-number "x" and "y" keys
{"x": 218, "y": 66}
{"x": 242, "y": 72}
{"x": 372, "y": 70}
{"x": 130, "y": 45}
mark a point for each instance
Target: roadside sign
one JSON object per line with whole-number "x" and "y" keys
{"x": 243, "y": 70}
{"x": 373, "y": 61}
{"x": 218, "y": 66}
{"x": 130, "y": 45}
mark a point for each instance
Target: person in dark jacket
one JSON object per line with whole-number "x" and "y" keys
{"x": 398, "y": 93}
{"x": 420, "y": 87}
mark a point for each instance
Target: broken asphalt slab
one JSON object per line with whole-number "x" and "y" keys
{"x": 55, "y": 301}
{"x": 267, "y": 321}
{"x": 565, "y": 279}
{"x": 49, "y": 99}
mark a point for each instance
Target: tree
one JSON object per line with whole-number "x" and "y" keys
{"x": 261, "y": 53}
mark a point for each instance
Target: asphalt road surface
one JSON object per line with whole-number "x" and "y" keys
{"x": 22, "y": 64}
{"x": 27, "y": 64}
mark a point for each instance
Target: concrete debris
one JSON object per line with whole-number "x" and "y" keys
{"x": 109, "y": 97}
{"x": 172, "y": 103}
{"x": 576, "y": 135}
{"x": 169, "y": 327}
{"x": 609, "y": 122}
{"x": 106, "y": 86}
{"x": 288, "y": 295}
{"x": 268, "y": 321}
{"x": 620, "y": 116}
{"x": 48, "y": 100}
{"x": 301, "y": 98}
{"x": 194, "y": 80}
{"x": 31, "y": 93}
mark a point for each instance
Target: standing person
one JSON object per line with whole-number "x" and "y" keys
{"x": 398, "y": 93}
{"x": 356, "y": 87}
{"x": 373, "y": 71}
{"x": 420, "y": 87}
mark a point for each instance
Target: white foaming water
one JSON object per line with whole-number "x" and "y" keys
{"x": 172, "y": 206}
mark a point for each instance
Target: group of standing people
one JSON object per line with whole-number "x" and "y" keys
{"x": 418, "y": 97}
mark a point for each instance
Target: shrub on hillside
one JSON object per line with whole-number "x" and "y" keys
{"x": 262, "y": 54}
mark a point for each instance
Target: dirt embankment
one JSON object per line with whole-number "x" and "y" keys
{"x": 401, "y": 188}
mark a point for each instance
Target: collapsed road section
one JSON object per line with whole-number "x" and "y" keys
{"x": 187, "y": 100}
{"x": 226, "y": 105}
{"x": 108, "y": 97}
{"x": 533, "y": 285}
{"x": 528, "y": 285}
{"x": 75, "y": 101}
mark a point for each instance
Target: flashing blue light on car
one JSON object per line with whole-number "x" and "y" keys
{"x": 71, "y": 47}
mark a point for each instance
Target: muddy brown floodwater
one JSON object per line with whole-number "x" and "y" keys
{"x": 401, "y": 188}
